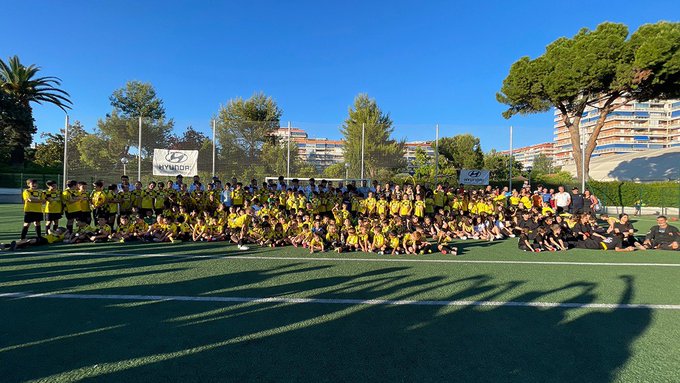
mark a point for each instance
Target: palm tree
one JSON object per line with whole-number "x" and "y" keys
{"x": 20, "y": 83}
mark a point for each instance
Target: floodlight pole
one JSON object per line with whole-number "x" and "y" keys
{"x": 363, "y": 134}
{"x": 63, "y": 185}
{"x": 288, "y": 158}
{"x": 139, "y": 152}
{"x": 436, "y": 153}
{"x": 583, "y": 159}
{"x": 510, "y": 162}
{"x": 214, "y": 124}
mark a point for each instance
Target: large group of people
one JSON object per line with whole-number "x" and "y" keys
{"x": 381, "y": 218}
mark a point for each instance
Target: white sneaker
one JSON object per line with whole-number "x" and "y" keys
{"x": 499, "y": 236}
{"x": 243, "y": 247}
{"x": 463, "y": 238}
{"x": 511, "y": 236}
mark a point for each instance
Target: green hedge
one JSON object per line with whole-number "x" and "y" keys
{"x": 625, "y": 193}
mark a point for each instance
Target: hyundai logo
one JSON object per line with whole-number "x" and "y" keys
{"x": 176, "y": 157}
{"x": 474, "y": 173}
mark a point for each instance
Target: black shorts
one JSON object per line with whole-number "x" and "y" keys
{"x": 30, "y": 217}
{"x": 72, "y": 215}
{"x": 53, "y": 216}
{"x": 84, "y": 216}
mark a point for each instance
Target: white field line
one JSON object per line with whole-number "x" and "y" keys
{"x": 418, "y": 259}
{"x": 370, "y": 302}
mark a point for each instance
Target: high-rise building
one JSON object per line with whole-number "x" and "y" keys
{"x": 636, "y": 126}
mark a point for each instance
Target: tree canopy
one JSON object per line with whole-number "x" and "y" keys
{"x": 603, "y": 68}
{"x": 243, "y": 128}
{"x": 19, "y": 87}
{"x": 118, "y": 132}
{"x": 463, "y": 151}
{"x": 383, "y": 155}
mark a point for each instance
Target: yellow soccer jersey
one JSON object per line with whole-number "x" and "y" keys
{"x": 32, "y": 200}
{"x": 394, "y": 242}
{"x": 54, "y": 238}
{"x": 148, "y": 197}
{"x": 70, "y": 204}
{"x": 378, "y": 240}
{"x": 419, "y": 209}
{"x": 394, "y": 207}
{"x": 98, "y": 198}
{"x": 53, "y": 202}
{"x": 405, "y": 207}
{"x": 84, "y": 202}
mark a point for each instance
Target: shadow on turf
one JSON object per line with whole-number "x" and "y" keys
{"x": 197, "y": 342}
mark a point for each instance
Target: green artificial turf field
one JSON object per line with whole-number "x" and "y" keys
{"x": 207, "y": 312}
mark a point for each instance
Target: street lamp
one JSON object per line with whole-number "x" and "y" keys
{"x": 529, "y": 169}
{"x": 346, "y": 172}
{"x": 124, "y": 161}
{"x": 65, "y": 170}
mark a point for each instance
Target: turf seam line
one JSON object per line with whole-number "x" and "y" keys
{"x": 371, "y": 302}
{"x": 418, "y": 260}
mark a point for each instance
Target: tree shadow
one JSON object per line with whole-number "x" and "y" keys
{"x": 212, "y": 341}
{"x": 661, "y": 167}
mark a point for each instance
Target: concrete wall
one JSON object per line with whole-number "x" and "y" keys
{"x": 645, "y": 210}
{"x": 10, "y": 195}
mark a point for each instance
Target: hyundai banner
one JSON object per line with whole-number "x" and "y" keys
{"x": 474, "y": 177}
{"x": 174, "y": 162}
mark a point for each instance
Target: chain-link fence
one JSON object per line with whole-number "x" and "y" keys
{"x": 248, "y": 150}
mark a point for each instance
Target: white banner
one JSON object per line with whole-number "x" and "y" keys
{"x": 173, "y": 162}
{"x": 474, "y": 177}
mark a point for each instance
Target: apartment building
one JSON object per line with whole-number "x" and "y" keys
{"x": 637, "y": 126}
{"x": 323, "y": 152}
{"x": 526, "y": 155}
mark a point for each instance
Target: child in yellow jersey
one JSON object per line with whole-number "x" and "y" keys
{"x": 333, "y": 237}
{"x": 98, "y": 201}
{"x": 419, "y": 207}
{"x": 125, "y": 232}
{"x": 370, "y": 204}
{"x": 382, "y": 206}
{"x": 200, "y": 230}
{"x": 408, "y": 244}
{"x": 101, "y": 232}
{"x": 394, "y": 243}
{"x": 83, "y": 197}
{"x": 278, "y": 235}
{"x": 237, "y": 197}
{"x": 71, "y": 204}
{"x": 395, "y": 204}
{"x": 316, "y": 243}
{"x": 405, "y": 206}
{"x": 148, "y": 198}
{"x": 53, "y": 205}
{"x": 378, "y": 244}
{"x": 351, "y": 241}
{"x": 33, "y": 213}
{"x": 364, "y": 239}
{"x": 82, "y": 233}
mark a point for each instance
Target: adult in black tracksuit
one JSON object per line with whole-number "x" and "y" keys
{"x": 662, "y": 236}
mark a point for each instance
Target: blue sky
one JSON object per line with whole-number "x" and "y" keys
{"x": 424, "y": 62}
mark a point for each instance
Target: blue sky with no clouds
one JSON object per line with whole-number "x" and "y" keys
{"x": 424, "y": 62}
